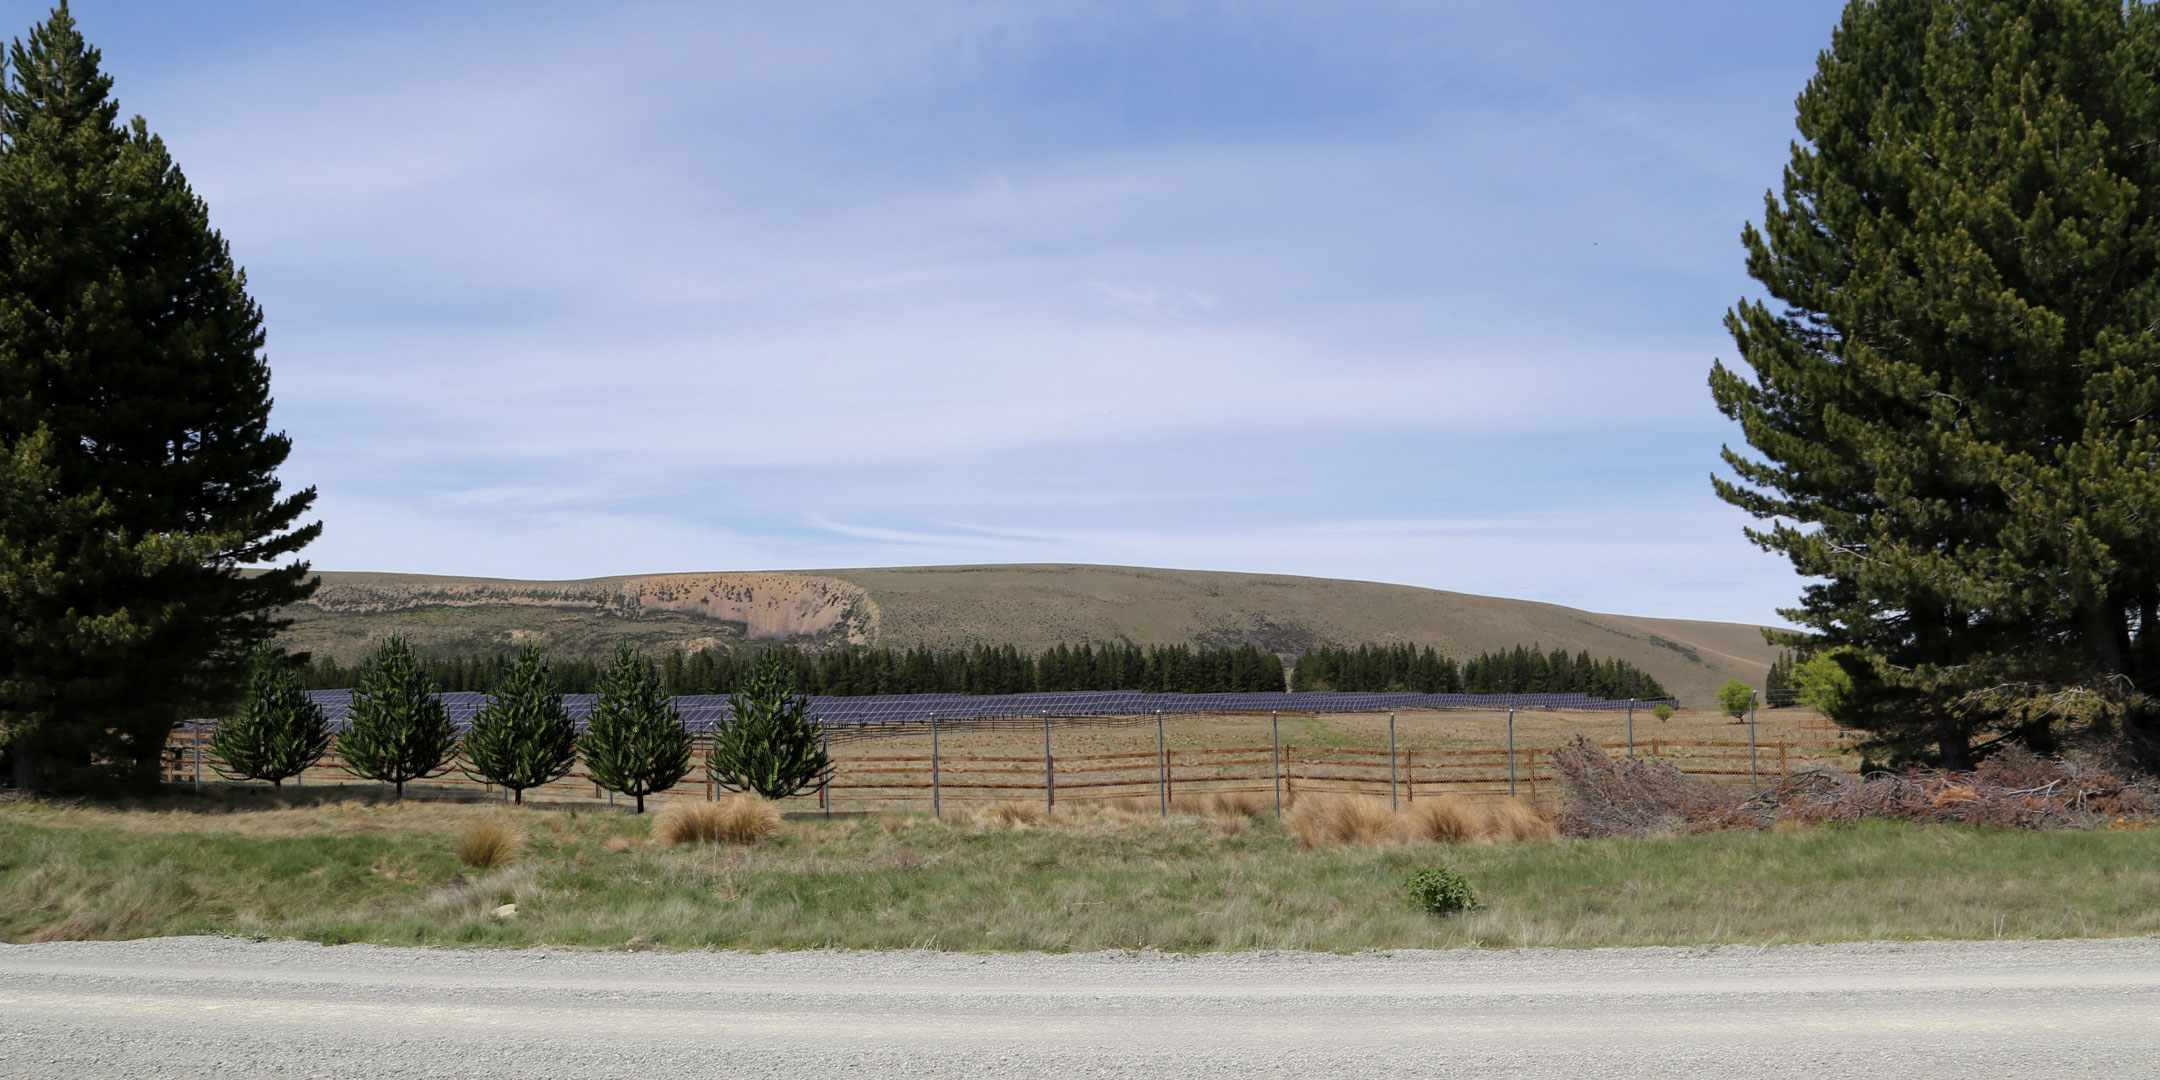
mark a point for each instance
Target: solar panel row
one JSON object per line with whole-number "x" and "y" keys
{"x": 706, "y": 710}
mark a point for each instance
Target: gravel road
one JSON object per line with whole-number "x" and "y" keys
{"x": 212, "y": 1007}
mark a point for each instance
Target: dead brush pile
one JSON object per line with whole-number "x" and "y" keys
{"x": 2013, "y": 789}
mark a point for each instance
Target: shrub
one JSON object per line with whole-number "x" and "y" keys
{"x": 1441, "y": 891}
{"x": 1447, "y": 820}
{"x": 634, "y": 741}
{"x": 1735, "y": 697}
{"x": 737, "y": 819}
{"x": 1320, "y": 820}
{"x": 397, "y": 729}
{"x": 486, "y": 845}
{"x": 768, "y": 745}
{"x": 1663, "y": 712}
{"x": 522, "y": 738}
{"x": 278, "y": 731}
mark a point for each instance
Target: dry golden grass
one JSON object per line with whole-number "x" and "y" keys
{"x": 1331, "y": 820}
{"x": 487, "y": 844}
{"x": 737, "y": 819}
{"x": 1226, "y": 804}
{"x": 1447, "y": 819}
{"x": 1009, "y": 814}
{"x": 1513, "y": 819}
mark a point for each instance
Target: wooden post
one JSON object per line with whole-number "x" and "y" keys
{"x": 1049, "y": 778}
{"x": 1275, "y": 746}
{"x": 1409, "y": 777}
{"x": 1631, "y": 727}
{"x": 1781, "y": 770}
{"x": 1751, "y": 783}
{"x": 197, "y": 729}
{"x": 937, "y": 803}
{"x": 1530, "y": 758}
{"x": 824, "y": 791}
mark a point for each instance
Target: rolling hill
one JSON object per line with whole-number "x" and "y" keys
{"x": 1033, "y": 606}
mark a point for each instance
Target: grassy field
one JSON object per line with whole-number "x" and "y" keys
{"x": 321, "y": 867}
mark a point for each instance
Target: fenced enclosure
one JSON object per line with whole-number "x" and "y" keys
{"x": 938, "y": 763}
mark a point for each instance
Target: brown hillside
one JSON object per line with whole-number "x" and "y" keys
{"x": 1033, "y": 606}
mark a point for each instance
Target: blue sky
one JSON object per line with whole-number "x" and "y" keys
{"x": 1410, "y": 292}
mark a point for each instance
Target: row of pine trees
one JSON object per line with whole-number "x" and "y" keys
{"x": 1521, "y": 670}
{"x": 634, "y": 743}
{"x": 1006, "y": 669}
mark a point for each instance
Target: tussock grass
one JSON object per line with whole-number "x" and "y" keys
{"x": 737, "y": 819}
{"x": 487, "y": 844}
{"x": 1447, "y": 819}
{"x": 1249, "y": 805}
{"x": 1096, "y": 878}
{"x": 1329, "y": 820}
{"x": 1009, "y": 814}
{"x": 1513, "y": 819}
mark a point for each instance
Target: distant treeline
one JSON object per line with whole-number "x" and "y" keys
{"x": 1005, "y": 669}
{"x": 982, "y": 669}
{"x": 1521, "y": 670}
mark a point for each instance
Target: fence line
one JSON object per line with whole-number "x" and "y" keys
{"x": 868, "y": 781}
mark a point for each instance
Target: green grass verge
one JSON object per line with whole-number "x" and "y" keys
{"x": 351, "y": 871}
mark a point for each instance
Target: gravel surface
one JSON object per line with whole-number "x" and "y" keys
{"x": 213, "y": 1007}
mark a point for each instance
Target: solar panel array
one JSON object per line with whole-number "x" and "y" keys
{"x": 703, "y": 711}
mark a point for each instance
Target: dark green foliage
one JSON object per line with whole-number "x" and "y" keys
{"x": 278, "y": 731}
{"x": 1953, "y": 391}
{"x": 770, "y": 745}
{"x": 1779, "y": 690}
{"x": 1735, "y": 697}
{"x": 982, "y": 669}
{"x": 1441, "y": 891}
{"x": 634, "y": 743}
{"x": 522, "y": 738}
{"x": 1521, "y": 670}
{"x": 397, "y": 730}
{"x": 133, "y": 386}
{"x": 1663, "y": 712}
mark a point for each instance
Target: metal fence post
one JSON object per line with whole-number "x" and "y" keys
{"x": 1391, "y": 805}
{"x": 1511, "y": 753}
{"x": 937, "y": 803}
{"x": 824, "y": 791}
{"x": 1751, "y": 781}
{"x": 1275, "y": 752}
{"x": 1049, "y": 779}
{"x": 1631, "y": 727}
{"x": 1162, "y": 766}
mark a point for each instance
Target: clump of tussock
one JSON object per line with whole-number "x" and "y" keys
{"x": 1513, "y": 819}
{"x": 1248, "y": 805}
{"x": 737, "y": 819}
{"x": 1009, "y": 814}
{"x": 1448, "y": 819}
{"x": 487, "y": 844}
{"x": 470, "y": 898}
{"x": 1324, "y": 820}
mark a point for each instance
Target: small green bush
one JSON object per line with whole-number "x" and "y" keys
{"x": 1663, "y": 712}
{"x": 1441, "y": 891}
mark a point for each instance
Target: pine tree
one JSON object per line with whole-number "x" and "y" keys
{"x": 1953, "y": 402}
{"x": 768, "y": 744}
{"x": 131, "y": 372}
{"x": 397, "y": 729}
{"x": 522, "y": 738}
{"x": 634, "y": 743}
{"x": 278, "y": 731}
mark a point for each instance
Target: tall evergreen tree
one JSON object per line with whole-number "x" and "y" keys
{"x": 522, "y": 738}
{"x": 769, "y": 744}
{"x": 132, "y": 374}
{"x": 278, "y": 731}
{"x": 397, "y": 730}
{"x": 1952, "y": 402}
{"x": 635, "y": 743}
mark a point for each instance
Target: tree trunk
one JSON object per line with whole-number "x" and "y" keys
{"x": 517, "y": 796}
{"x": 401, "y": 791}
{"x": 1956, "y": 743}
{"x": 26, "y": 769}
{"x": 641, "y": 804}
